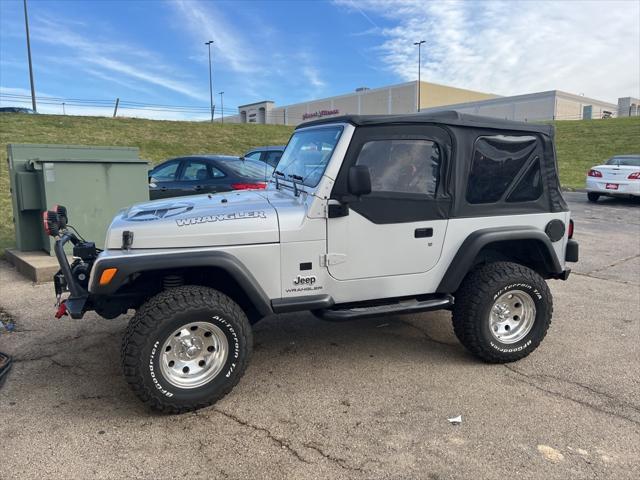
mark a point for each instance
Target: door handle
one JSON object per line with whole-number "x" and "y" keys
{"x": 198, "y": 188}
{"x": 423, "y": 232}
{"x": 163, "y": 189}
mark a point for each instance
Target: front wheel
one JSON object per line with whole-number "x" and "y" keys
{"x": 502, "y": 312}
{"x": 186, "y": 348}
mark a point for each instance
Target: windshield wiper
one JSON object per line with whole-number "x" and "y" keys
{"x": 276, "y": 174}
{"x": 295, "y": 179}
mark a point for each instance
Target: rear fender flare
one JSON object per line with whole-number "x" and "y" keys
{"x": 475, "y": 242}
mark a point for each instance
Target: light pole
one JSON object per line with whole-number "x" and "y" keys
{"x": 221, "y": 108}
{"x": 210, "y": 81}
{"x": 26, "y": 26}
{"x": 419, "y": 44}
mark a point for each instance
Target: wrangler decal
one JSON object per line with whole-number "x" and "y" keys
{"x": 183, "y": 222}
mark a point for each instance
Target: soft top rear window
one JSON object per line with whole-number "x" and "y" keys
{"x": 496, "y": 162}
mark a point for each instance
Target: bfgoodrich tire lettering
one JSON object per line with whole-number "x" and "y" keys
{"x": 477, "y": 296}
{"x": 164, "y": 315}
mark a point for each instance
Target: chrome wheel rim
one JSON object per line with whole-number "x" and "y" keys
{"x": 512, "y": 316}
{"x": 194, "y": 354}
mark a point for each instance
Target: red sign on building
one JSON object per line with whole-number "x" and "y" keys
{"x": 320, "y": 114}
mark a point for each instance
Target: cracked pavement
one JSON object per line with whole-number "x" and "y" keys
{"x": 364, "y": 399}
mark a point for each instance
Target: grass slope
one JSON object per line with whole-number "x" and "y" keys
{"x": 580, "y": 144}
{"x": 157, "y": 141}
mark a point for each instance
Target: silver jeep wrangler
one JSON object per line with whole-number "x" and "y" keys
{"x": 364, "y": 216}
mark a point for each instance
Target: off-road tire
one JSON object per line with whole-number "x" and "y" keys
{"x": 156, "y": 320}
{"x": 475, "y": 299}
{"x": 593, "y": 196}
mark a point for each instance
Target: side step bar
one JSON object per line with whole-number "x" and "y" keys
{"x": 405, "y": 306}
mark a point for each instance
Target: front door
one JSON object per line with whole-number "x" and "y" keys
{"x": 399, "y": 228}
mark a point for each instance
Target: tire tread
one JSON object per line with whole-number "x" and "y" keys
{"x": 148, "y": 318}
{"x": 479, "y": 284}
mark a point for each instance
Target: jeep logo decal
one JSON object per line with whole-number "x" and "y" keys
{"x": 300, "y": 280}
{"x": 183, "y": 222}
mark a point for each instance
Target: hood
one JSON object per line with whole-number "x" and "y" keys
{"x": 231, "y": 218}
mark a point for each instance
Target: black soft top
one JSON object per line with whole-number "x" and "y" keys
{"x": 463, "y": 138}
{"x": 447, "y": 117}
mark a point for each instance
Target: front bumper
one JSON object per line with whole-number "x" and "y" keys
{"x": 599, "y": 185}
{"x": 64, "y": 280}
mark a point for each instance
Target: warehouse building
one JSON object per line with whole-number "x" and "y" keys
{"x": 628, "y": 107}
{"x": 405, "y": 97}
{"x": 533, "y": 107}
{"x": 401, "y": 98}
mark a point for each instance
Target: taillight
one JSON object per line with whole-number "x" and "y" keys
{"x": 634, "y": 176}
{"x": 570, "y": 229}
{"x": 594, "y": 173}
{"x": 249, "y": 186}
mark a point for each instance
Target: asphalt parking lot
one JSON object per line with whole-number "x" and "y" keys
{"x": 366, "y": 399}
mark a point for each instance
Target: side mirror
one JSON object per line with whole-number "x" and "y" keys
{"x": 359, "y": 180}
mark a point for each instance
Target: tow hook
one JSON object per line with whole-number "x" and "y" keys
{"x": 62, "y": 309}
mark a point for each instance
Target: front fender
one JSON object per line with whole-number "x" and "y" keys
{"x": 132, "y": 263}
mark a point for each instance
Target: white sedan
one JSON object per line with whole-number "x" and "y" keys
{"x": 620, "y": 176}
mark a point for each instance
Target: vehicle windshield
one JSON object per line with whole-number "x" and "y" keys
{"x": 307, "y": 154}
{"x": 625, "y": 161}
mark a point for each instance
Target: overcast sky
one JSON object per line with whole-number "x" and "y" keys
{"x": 154, "y": 52}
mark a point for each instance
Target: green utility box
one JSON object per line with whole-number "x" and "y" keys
{"x": 92, "y": 182}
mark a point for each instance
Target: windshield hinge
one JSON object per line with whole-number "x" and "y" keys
{"x": 332, "y": 259}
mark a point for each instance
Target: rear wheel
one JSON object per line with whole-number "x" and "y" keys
{"x": 593, "y": 196}
{"x": 186, "y": 348}
{"x": 502, "y": 312}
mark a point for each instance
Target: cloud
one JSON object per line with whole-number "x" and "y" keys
{"x": 50, "y": 104}
{"x": 509, "y": 47}
{"x": 24, "y": 92}
{"x": 110, "y": 78}
{"x": 313, "y": 77}
{"x": 110, "y": 58}
{"x": 145, "y": 76}
{"x": 208, "y": 24}
{"x": 246, "y": 50}
{"x": 368, "y": 31}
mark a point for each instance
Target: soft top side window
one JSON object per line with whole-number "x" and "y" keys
{"x": 497, "y": 160}
{"x": 409, "y": 166}
{"x": 529, "y": 188}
